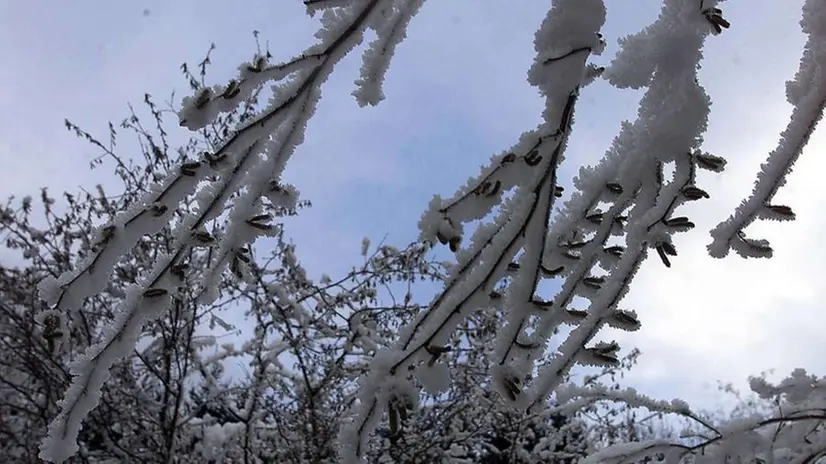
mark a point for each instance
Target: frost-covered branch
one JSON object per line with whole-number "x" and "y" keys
{"x": 667, "y": 53}
{"x": 567, "y": 37}
{"x": 169, "y": 397}
{"x": 807, "y": 95}
{"x": 275, "y": 134}
{"x": 211, "y": 210}
{"x": 666, "y": 57}
{"x": 795, "y": 434}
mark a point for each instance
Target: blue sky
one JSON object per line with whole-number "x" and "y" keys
{"x": 456, "y": 93}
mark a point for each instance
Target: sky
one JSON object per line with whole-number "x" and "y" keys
{"x": 456, "y": 94}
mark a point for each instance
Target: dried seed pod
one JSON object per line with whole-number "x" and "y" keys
{"x": 615, "y": 250}
{"x": 760, "y": 246}
{"x": 203, "y": 238}
{"x": 243, "y": 255}
{"x": 548, "y": 272}
{"x": 442, "y": 239}
{"x": 782, "y": 210}
{"x": 524, "y": 345}
{"x": 715, "y": 19}
{"x": 664, "y": 249}
{"x": 155, "y": 292}
{"x": 106, "y": 235}
{"x": 252, "y": 222}
{"x": 681, "y": 222}
{"x": 437, "y": 350}
{"x": 693, "y": 193}
{"x": 533, "y": 160}
{"x": 624, "y": 320}
{"x": 158, "y": 209}
{"x": 710, "y": 162}
{"x": 668, "y": 248}
{"x": 257, "y": 65}
{"x": 179, "y": 270}
{"x": 393, "y": 419}
{"x": 235, "y": 268}
{"x": 482, "y": 188}
{"x": 614, "y": 187}
{"x": 595, "y": 218}
{"x": 576, "y": 314}
{"x": 512, "y": 389}
{"x": 215, "y": 160}
{"x": 495, "y": 189}
{"x": 190, "y": 169}
{"x": 260, "y": 217}
{"x": 542, "y": 305}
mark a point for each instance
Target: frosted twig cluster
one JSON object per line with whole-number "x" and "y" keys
{"x": 807, "y": 95}
{"x": 795, "y": 433}
{"x": 621, "y": 209}
{"x": 249, "y": 163}
{"x": 642, "y": 203}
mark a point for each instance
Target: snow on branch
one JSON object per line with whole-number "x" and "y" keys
{"x": 796, "y": 433}
{"x": 253, "y": 158}
{"x": 625, "y": 196}
{"x": 377, "y": 57}
{"x": 672, "y": 116}
{"x": 650, "y": 225}
{"x": 567, "y": 37}
{"x": 807, "y": 94}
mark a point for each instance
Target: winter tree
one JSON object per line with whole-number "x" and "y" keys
{"x": 508, "y": 234}
{"x": 169, "y": 397}
{"x": 174, "y": 388}
{"x": 175, "y": 385}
